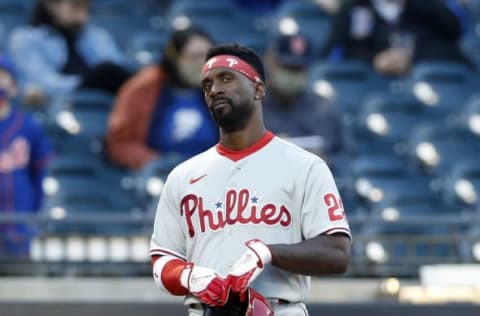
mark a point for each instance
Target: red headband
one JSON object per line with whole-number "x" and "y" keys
{"x": 232, "y": 62}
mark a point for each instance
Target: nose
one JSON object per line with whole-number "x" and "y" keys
{"x": 215, "y": 90}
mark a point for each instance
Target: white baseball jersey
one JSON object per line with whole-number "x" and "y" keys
{"x": 275, "y": 191}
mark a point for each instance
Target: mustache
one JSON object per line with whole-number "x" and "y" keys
{"x": 220, "y": 99}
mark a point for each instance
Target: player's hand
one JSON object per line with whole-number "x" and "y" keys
{"x": 249, "y": 266}
{"x": 205, "y": 284}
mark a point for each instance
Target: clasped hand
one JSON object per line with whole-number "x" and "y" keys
{"x": 213, "y": 289}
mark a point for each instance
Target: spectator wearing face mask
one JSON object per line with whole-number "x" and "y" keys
{"x": 161, "y": 109}
{"x": 61, "y": 51}
{"x": 291, "y": 111}
{"x": 391, "y": 35}
{"x": 24, "y": 154}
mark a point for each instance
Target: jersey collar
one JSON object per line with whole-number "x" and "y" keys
{"x": 236, "y": 155}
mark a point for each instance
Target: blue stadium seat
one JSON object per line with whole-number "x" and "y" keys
{"x": 400, "y": 248}
{"x": 123, "y": 28}
{"x": 221, "y": 19}
{"x": 12, "y": 14}
{"x": 145, "y": 47}
{"x": 88, "y": 99}
{"x": 470, "y": 114}
{"x": 435, "y": 148}
{"x": 150, "y": 180}
{"x": 74, "y": 164}
{"x": 305, "y": 17}
{"x": 73, "y": 190}
{"x": 78, "y": 122}
{"x": 393, "y": 116}
{"x": 443, "y": 86}
{"x": 462, "y": 183}
{"x": 469, "y": 248}
{"x": 367, "y": 145}
{"x": 424, "y": 208}
{"x": 346, "y": 84}
{"x": 378, "y": 179}
{"x": 193, "y": 9}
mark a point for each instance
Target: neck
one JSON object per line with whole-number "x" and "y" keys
{"x": 245, "y": 137}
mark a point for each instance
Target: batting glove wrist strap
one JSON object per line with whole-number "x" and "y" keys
{"x": 205, "y": 284}
{"x": 246, "y": 269}
{"x": 261, "y": 250}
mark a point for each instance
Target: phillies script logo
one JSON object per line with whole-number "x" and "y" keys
{"x": 239, "y": 208}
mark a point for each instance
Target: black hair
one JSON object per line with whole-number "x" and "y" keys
{"x": 40, "y": 14}
{"x": 245, "y": 53}
{"x": 174, "y": 46}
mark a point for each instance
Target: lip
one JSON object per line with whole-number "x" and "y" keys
{"x": 220, "y": 103}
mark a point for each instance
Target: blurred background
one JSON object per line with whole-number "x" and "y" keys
{"x": 100, "y": 99}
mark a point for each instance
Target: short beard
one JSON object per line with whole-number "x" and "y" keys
{"x": 237, "y": 119}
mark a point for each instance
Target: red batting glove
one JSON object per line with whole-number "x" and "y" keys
{"x": 249, "y": 266}
{"x": 205, "y": 284}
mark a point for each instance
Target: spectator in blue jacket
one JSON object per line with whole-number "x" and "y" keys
{"x": 290, "y": 110}
{"x": 24, "y": 154}
{"x": 61, "y": 51}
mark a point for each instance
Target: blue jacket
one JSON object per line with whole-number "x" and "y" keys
{"x": 40, "y": 52}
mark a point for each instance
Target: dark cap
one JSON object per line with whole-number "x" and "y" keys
{"x": 292, "y": 50}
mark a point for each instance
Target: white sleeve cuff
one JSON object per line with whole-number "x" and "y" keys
{"x": 158, "y": 269}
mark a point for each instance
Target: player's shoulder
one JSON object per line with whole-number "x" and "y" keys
{"x": 296, "y": 153}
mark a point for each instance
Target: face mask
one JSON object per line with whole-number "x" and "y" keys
{"x": 388, "y": 9}
{"x": 289, "y": 83}
{"x": 190, "y": 72}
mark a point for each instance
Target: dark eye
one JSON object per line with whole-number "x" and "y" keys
{"x": 227, "y": 79}
{"x": 207, "y": 86}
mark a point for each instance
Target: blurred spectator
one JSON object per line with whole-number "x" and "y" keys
{"x": 291, "y": 111}
{"x": 24, "y": 154}
{"x": 161, "y": 109}
{"x": 391, "y": 35}
{"x": 330, "y": 6}
{"x": 259, "y": 7}
{"x": 61, "y": 51}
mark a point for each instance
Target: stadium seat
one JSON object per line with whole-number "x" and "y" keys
{"x": 435, "y": 148}
{"x": 302, "y": 16}
{"x": 78, "y": 122}
{"x": 72, "y": 164}
{"x": 150, "y": 180}
{"x": 77, "y": 192}
{"x": 462, "y": 183}
{"x": 425, "y": 208}
{"x": 470, "y": 115}
{"x": 145, "y": 47}
{"x": 12, "y": 14}
{"x": 123, "y": 28}
{"x": 216, "y": 18}
{"x": 399, "y": 248}
{"x": 443, "y": 86}
{"x": 393, "y": 116}
{"x": 378, "y": 179}
{"x": 346, "y": 84}
{"x": 470, "y": 243}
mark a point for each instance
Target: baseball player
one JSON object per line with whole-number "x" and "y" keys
{"x": 253, "y": 212}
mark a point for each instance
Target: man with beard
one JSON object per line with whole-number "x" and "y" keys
{"x": 253, "y": 212}
{"x": 61, "y": 51}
